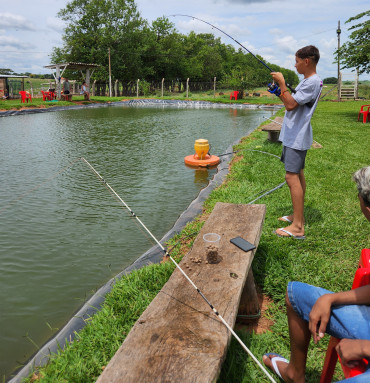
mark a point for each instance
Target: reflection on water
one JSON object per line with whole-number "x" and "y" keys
{"x": 61, "y": 242}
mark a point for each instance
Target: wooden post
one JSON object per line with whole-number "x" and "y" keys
{"x": 214, "y": 87}
{"x": 110, "y": 76}
{"x": 57, "y": 79}
{"x": 187, "y": 87}
{"x": 93, "y": 89}
{"x": 356, "y": 84}
{"x": 88, "y": 78}
{"x": 249, "y": 307}
{"x": 137, "y": 88}
{"x": 162, "y": 86}
{"x": 116, "y": 88}
{"x": 339, "y": 81}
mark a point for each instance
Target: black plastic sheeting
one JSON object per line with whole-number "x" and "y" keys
{"x": 140, "y": 102}
{"x": 153, "y": 255}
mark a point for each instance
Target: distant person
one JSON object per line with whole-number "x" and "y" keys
{"x": 85, "y": 91}
{"x": 6, "y": 94}
{"x": 66, "y": 86}
{"x": 312, "y": 311}
{"x": 296, "y": 134}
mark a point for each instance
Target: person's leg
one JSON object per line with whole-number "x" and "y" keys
{"x": 299, "y": 341}
{"x": 297, "y": 187}
{"x": 294, "y": 161}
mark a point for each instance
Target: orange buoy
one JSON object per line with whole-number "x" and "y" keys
{"x": 201, "y": 158}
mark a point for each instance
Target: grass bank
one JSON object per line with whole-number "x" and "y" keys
{"x": 336, "y": 232}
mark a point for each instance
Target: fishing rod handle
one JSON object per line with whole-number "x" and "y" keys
{"x": 291, "y": 88}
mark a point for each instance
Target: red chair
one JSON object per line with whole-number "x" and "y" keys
{"x": 365, "y": 113}
{"x": 45, "y": 95}
{"x": 25, "y": 96}
{"x": 234, "y": 95}
{"x": 362, "y": 278}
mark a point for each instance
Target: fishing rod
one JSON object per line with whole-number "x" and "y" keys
{"x": 181, "y": 270}
{"x": 273, "y": 88}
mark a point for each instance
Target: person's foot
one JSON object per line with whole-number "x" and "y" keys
{"x": 283, "y": 368}
{"x": 290, "y": 231}
{"x": 286, "y": 218}
{"x": 278, "y": 365}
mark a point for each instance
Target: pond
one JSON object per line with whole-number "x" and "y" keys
{"x": 62, "y": 234}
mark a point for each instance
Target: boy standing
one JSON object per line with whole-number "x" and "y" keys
{"x": 296, "y": 133}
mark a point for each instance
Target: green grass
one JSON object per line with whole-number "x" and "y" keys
{"x": 336, "y": 232}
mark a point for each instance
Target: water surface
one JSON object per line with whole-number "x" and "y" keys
{"x": 62, "y": 239}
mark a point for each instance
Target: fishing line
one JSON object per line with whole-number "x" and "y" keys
{"x": 181, "y": 270}
{"x": 232, "y": 38}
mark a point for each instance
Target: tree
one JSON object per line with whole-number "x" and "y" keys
{"x": 330, "y": 80}
{"x": 6, "y": 71}
{"x": 93, "y": 26}
{"x": 356, "y": 53}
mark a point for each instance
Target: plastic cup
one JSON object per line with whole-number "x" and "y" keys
{"x": 212, "y": 239}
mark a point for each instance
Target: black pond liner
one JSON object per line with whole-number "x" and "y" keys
{"x": 153, "y": 255}
{"x": 143, "y": 102}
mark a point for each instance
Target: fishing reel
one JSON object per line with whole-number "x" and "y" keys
{"x": 274, "y": 89}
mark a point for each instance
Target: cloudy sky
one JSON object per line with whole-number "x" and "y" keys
{"x": 274, "y": 29}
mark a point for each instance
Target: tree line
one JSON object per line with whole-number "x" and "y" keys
{"x": 151, "y": 51}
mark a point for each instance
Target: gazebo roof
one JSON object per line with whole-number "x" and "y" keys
{"x": 11, "y": 76}
{"x": 72, "y": 65}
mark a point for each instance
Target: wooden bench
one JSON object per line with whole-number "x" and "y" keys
{"x": 178, "y": 338}
{"x": 273, "y": 129}
{"x": 67, "y": 97}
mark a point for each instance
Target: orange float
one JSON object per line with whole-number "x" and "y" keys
{"x": 201, "y": 158}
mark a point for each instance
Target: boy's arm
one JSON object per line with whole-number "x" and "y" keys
{"x": 289, "y": 102}
{"x": 320, "y": 313}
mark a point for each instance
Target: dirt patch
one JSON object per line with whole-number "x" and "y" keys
{"x": 260, "y": 325}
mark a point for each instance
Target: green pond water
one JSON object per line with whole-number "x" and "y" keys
{"x": 63, "y": 236}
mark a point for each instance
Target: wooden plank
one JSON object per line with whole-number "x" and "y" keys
{"x": 178, "y": 338}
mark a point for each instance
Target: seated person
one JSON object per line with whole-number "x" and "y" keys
{"x": 5, "y": 94}
{"x": 85, "y": 91}
{"x": 314, "y": 311}
{"x": 66, "y": 88}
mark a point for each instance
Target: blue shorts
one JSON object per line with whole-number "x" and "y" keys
{"x": 293, "y": 159}
{"x": 349, "y": 321}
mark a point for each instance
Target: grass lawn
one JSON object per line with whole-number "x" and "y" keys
{"x": 336, "y": 231}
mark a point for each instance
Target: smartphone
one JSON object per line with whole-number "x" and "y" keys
{"x": 242, "y": 243}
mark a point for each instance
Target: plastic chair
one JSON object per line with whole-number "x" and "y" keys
{"x": 234, "y": 95}
{"x": 45, "y": 95}
{"x": 365, "y": 113}
{"x": 25, "y": 96}
{"x": 362, "y": 278}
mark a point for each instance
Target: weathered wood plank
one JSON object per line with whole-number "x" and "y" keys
{"x": 178, "y": 338}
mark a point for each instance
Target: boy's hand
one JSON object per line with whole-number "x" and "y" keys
{"x": 278, "y": 77}
{"x": 319, "y": 317}
{"x": 351, "y": 351}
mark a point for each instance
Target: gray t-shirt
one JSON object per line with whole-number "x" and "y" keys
{"x": 296, "y": 132}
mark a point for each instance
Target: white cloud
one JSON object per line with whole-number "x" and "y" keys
{"x": 10, "y": 21}
{"x": 12, "y": 43}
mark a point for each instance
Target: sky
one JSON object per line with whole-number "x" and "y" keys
{"x": 274, "y": 29}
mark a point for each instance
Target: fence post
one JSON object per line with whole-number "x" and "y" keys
{"x": 137, "y": 88}
{"x": 187, "y": 87}
{"x": 162, "y": 86}
{"x": 93, "y": 88}
{"x": 116, "y": 88}
{"x": 214, "y": 87}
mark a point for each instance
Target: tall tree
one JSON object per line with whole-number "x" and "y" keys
{"x": 93, "y": 26}
{"x": 356, "y": 52}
